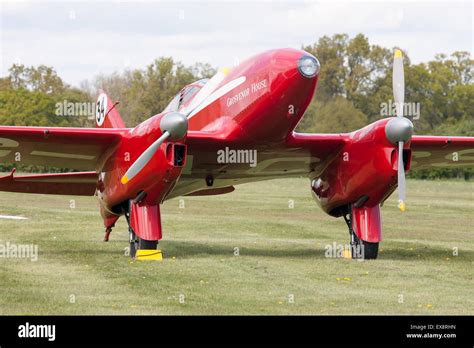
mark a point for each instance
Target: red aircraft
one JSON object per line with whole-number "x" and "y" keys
{"x": 234, "y": 128}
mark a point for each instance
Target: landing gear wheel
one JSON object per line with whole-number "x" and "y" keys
{"x": 147, "y": 244}
{"x": 136, "y": 243}
{"x": 371, "y": 250}
{"x": 360, "y": 249}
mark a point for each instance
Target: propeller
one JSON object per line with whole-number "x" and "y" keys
{"x": 400, "y": 129}
{"x": 174, "y": 125}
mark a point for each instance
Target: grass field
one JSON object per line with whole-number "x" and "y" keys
{"x": 281, "y": 267}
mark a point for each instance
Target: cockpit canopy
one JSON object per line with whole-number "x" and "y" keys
{"x": 185, "y": 95}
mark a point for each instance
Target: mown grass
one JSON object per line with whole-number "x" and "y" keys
{"x": 281, "y": 267}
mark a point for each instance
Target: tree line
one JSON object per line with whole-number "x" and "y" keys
{"x": 354, "y": 89}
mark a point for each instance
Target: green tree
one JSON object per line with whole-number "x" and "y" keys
{"x": 350, "y": 68}
{"x": 42, "y": 79}
{"x": 330, "y": 53}
{"x": 143, "y": 93}
{"x": 362, "y": 73}
{"x": 27, "y": 108}
{"x": 335, "y": 111}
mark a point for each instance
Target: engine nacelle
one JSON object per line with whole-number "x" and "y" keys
{"x": 364, "y": 173}
{"x": 156, "y": 179}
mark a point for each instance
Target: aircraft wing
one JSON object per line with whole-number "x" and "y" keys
{"x": 319, "y": 145}
{"x": 73, "y": 148}
{"x": 80, "y": 184}
{"x": 301, "y": 154}
{"x": 442, "y": 152}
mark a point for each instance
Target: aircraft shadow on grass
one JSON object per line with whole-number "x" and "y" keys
{"x": 192, "y": 248}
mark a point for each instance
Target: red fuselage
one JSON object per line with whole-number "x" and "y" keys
{"x": 260, "y": 113}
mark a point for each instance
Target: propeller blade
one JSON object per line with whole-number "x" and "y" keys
{"x": 398, "y": 82}
{"x": 174, "y": 126}
{"x": 399, "y": 129}
{"x": 401, "y": 178}
{"x": 144, "y": 158}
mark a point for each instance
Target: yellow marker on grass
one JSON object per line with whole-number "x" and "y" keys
{"x": 346, "y": 254}
{"x": 149, "y": 254}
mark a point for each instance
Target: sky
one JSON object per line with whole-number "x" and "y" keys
{"x": 84, "y": 39}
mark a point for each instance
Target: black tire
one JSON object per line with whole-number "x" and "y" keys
{"x": 147, "y": 244}
{"x": 137, "y": 244}
{"x": 370, "y": 250}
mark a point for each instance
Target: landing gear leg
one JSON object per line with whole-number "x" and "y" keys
{"x": 107, "y": 234}
{"x": 133, "y": 239}
{"x": 360, "y": 249}
{"x": 109, "y": 223}
{"x": 138, "y": 221}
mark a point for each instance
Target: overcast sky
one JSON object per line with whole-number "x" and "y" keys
{"x": 81, "y": 40}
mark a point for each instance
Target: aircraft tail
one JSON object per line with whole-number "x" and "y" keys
{"x": 106, "y": 113}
